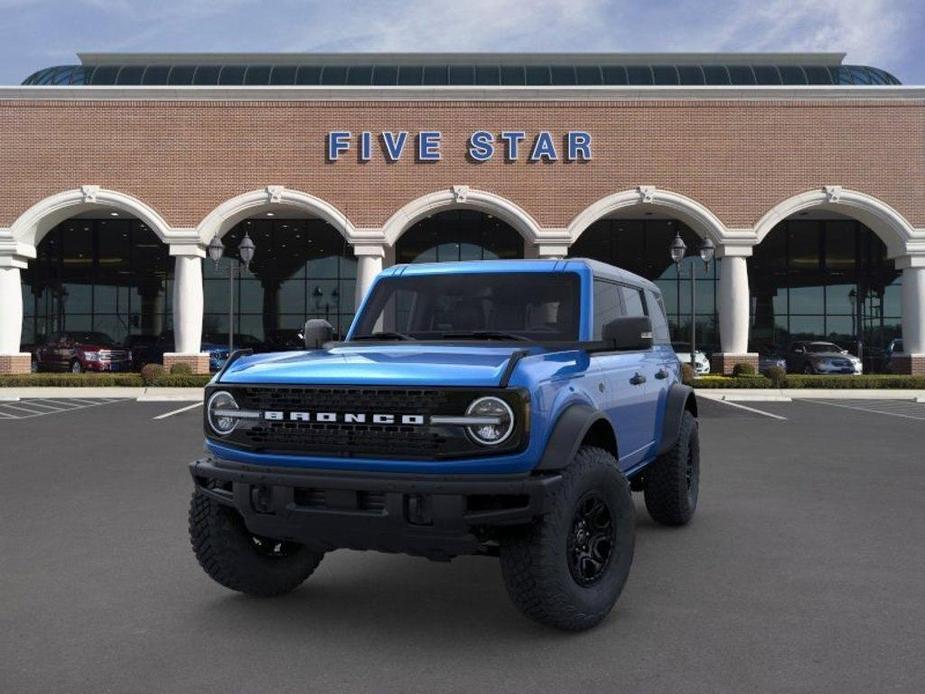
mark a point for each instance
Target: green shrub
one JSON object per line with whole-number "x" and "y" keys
{"x": 743, "y": 369}
{"x": 181, "y": 369}
{"x": 69, "y": 380}
{"x": 687, "y": 374}
{"x": 182, "y": 380}
{"x": 777, "y": 376}
{"x": 151, "y": 372}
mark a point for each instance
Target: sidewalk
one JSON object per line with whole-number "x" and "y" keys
{"x": 790, "y": 394}
{"x": 138, "y": 394}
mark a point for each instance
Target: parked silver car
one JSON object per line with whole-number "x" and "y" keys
{"x": 821, "y": 358}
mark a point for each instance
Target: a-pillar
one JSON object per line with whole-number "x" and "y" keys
{"x": 13, "y": 259}
{"x": 733, "y": 305}
{"x": 369, "y": 264}
{"x": 187, "y": 308}
{"x": 912, "y": 359}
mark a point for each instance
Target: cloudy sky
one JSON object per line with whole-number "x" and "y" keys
{"x": 40, "y": 33}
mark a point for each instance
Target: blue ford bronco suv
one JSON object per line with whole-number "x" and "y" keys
{"x": 505, "y": 408}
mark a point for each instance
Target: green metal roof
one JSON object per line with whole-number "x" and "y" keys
{"x": 478, "y": 73}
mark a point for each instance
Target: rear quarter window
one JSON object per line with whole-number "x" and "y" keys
{"x": 660, "y": 332}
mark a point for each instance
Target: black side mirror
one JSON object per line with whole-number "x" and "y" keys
{"x": 316, "y": 332}
{"x": 629, "y": 333}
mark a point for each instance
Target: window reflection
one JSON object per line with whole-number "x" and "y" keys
{"x": 302, "y": 268}
{"x": 641, "y": 246}
{"x": 824, "y": 280}
{"x": 458, "y": 235}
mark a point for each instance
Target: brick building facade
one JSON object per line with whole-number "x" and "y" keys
{"x": 730, "y": 163}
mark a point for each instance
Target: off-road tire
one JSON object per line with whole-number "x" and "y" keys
{"x": 808, "y": 370}
{"x": 231, "y": 555}
{"x": 535, "y": 560}
{"x": 672, "y": 482}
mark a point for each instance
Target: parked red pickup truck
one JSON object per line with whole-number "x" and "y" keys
{"x": 79, "y": 351}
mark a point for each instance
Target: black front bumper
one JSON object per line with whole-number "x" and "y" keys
{"x": 434, "y": 516}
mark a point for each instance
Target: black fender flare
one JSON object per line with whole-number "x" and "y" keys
{"x": 567, "y": 434}
{"x": 680, "y": 398}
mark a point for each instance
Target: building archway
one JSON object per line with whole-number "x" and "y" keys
{"x": 461, "y": 198}
{"x": 822, "y": 274}
{"x": 303, "y": 267}
{"x": 643, "y": 201}
{"x": 33, "y": 224}
{"x": 638, "y": 239}
{"x": 275, "y": 201}
{"x": 459, "y": 234}
{"x": 891, "y": 226}
{"x": 102, "y": 272}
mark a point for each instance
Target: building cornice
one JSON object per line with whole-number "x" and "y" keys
{"x": 463, "y": 93}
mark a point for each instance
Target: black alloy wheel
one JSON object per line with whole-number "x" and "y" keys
{"x": 591, "y": 540}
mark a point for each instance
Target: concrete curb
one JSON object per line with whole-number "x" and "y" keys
{"x": 137, "y": 394}
{"x": 789, "y": 395}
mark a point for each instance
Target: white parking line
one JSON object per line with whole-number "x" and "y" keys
{"x": 24, "y": 409}
{"x": 39, "y": 408}
{"x": 884, "y": 411}
{"x": 750, "y": 409}
{"x": 182, "y": 409}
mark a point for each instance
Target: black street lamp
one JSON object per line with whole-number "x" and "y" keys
{"x": 678, "y": 249}
{"x": 246, "y": 251}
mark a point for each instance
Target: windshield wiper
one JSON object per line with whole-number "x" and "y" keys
{"x": 384, "y": 336}
{"x": 484, "y": 335}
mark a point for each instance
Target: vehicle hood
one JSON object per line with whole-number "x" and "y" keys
{"x": 375, "y": 365}
{"x": 91, "y": 347}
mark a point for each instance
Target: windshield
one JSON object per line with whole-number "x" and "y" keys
{"x": 823, "y": 347}
{"x": 99, "y": 339}
{"x": 479, "y": 306}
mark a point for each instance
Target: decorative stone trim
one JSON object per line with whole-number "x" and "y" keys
{"x": 908, "y": 364}
{"x": 647, "y": 193}
{"x": 275, "y": 194}
{"x": 199, "y": 363}
{"x": 460, "y": 193}
{"x": 20, "y": 363}
{"x": 722, "y": 364}
{"x": 89, "y": 193}
{"x": 833, "y": 193}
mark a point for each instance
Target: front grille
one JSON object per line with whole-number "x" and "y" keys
{"x": 352, "y": 439}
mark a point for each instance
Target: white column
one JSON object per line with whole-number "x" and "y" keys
{"x": 10, "y": 310}
{"x": 733, "y": 304}
{"x": 545, "y": 251}
{"x": 369, "y": 264}
{"x": 187, "y": 303}
{"x": 13, "y": 258}
{"x": 913, "y": 303}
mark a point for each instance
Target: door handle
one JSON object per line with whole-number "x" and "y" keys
{"x": 638, "y": 379}
{"x": 661, "y": 374}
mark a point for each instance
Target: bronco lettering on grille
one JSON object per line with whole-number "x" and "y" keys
{"x": 344, "y": 417}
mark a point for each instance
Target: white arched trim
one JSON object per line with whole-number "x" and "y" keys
{"x": 270, "y": 199}
{"x": 892, "y": 228}
{"x": 689, "y": 211}
{"x": 461, "y": 197}
{"x": 44, "y": 215}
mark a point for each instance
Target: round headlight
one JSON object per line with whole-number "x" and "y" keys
{"x": 219, "y": 405}
{"x": 498, "y": 421}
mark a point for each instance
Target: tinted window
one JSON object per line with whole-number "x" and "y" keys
{"x": 607, "y": 305}
{"x": 537, "y": 306}
{"x": 181, "y": 74}
{"x": 207, "y": 74}
{"x": 283, "y": 74}
{"x": 632, "y": 301}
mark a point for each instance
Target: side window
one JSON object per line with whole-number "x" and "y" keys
{"x": 660, "y": 333}
{"x": 632, "y": 299}
{"x": 607, "y": 305}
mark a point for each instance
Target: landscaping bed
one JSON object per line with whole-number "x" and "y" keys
{"x": 85, "y": 380}
{"x": 865, "y": 382}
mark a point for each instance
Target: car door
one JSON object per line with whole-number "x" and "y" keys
{"x": 625, "y": 376}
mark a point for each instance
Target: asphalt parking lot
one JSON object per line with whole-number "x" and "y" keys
{"x": 802, "y": 572}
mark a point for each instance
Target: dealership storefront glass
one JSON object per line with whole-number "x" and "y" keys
{"x": 459, "y": 235}
{"x": 106, "y": 275}
{"x": 810, "y": 278}
{"x": 302, "y": 268}
{"x": 641, "y": 246}
{"x": 822, "y": 279}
